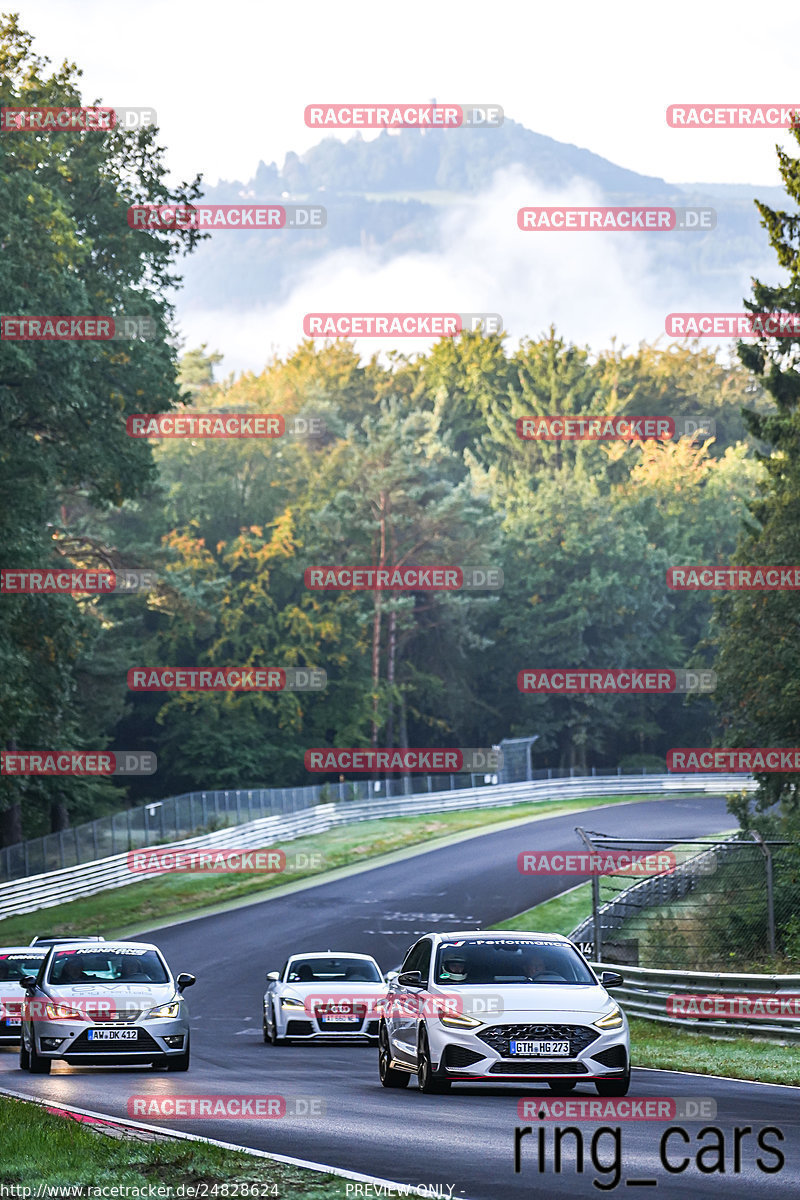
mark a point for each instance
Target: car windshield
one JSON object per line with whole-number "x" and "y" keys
{"x": 106, "y": 966}
{"x": 14, "y": 966}
{"x": 512, "y": 960}
{"x": 333, "y": 970}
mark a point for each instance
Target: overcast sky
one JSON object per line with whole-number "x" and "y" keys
{"x": 230, "y": 80}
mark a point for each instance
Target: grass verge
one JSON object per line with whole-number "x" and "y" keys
{"x": 670, "y": 1049}
{"x": 41, "y": 1148}
{"x": 154, "y": 901}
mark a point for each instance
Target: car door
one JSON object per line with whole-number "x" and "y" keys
{"x": 404, "y": 1004}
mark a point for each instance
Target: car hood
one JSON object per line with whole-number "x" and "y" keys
{"x": 539, "y": 1002}
{"x": 130, "y": 999}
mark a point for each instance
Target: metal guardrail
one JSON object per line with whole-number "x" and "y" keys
{"x": 72, "y": 883}
{"x": 174, "y": 818}
{"x": 645, "y": 993}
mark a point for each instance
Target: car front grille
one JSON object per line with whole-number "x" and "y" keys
{"x": 499, "y": 1036}
{"x": 144, "y": 1044}
{"x": 538, "y": 1066}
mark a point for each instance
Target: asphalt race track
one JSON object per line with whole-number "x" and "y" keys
{"x": 463, "y": 1141}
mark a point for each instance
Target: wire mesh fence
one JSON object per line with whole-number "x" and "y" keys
{"x": 728, "y": 904}
{"x": 194, "y": 813}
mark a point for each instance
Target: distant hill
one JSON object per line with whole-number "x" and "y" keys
{"x": 388, "y": 195}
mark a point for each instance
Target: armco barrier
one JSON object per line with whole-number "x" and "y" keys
{"x": 57, "y": 887}
{"x": 645, "y": 993}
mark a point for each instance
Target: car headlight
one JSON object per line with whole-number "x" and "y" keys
{"x": 459, "y": 1021}
{"x": 63, "y": 1012}
{"x": 291, "y": 1002}
{"x": 612, "y": 1020}
{"x": 165, "y": 1010}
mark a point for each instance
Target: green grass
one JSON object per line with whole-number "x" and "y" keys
{"x": 559, "y": 915}
{"x": 39, "y": 1147}
{"x": 664, "y": 1047}
{"x": 155, "y": 901}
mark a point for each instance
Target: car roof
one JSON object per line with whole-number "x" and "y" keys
{"x": 23, "y": 950}
{"x": 500, "y": 934}
{"x": 46, "y": 939}
{"x": 331, "y": 954}
{"x": 111, "y": 946}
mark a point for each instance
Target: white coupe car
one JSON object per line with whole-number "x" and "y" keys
{"x": 327, "y": 994}
{"x": 502, "y": 1007}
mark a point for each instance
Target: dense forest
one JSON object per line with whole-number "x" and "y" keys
{"x": 414, "y": 460}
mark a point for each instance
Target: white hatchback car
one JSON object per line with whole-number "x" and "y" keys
{"x": 327, "y": 994}
{"x": 104, "y": 1004}
{"x": 502, "y": 1007}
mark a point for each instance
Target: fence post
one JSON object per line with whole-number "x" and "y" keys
{"x": 598, "y": 933}
{"x": 765, "y": 850}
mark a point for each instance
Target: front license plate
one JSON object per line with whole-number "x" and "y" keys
{"x": 113, "y": 1035}
{"x": 552, "y": 1049}
{"x": 341, "y": 1017}
{"x": 13, "y": 1021}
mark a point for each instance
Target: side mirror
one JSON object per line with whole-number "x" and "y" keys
{"x": 410, "y": 979}
{"x": 185, "y": 980}
{"x": 28, "y": 982}
{"x": 611, "y": 979}
{"x": 273, "y": 976}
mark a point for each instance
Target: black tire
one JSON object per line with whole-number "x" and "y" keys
{"x": 271, "y": 1031}
{"x": 562, "y": 1087}
{"x": 614, "y": 1087}
{"x": 38, "y": 1064}
{"x": 24, "y": 1056}
{"x": 390, "y": 1077}
{"x": 181, "y": 1061}
{"x": 431, "y": 1083}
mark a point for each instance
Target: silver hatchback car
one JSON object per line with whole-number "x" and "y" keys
{"x": 98, "y": 1004}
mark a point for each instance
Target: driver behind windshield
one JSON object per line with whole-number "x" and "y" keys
{"x": 454, "y": 969}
